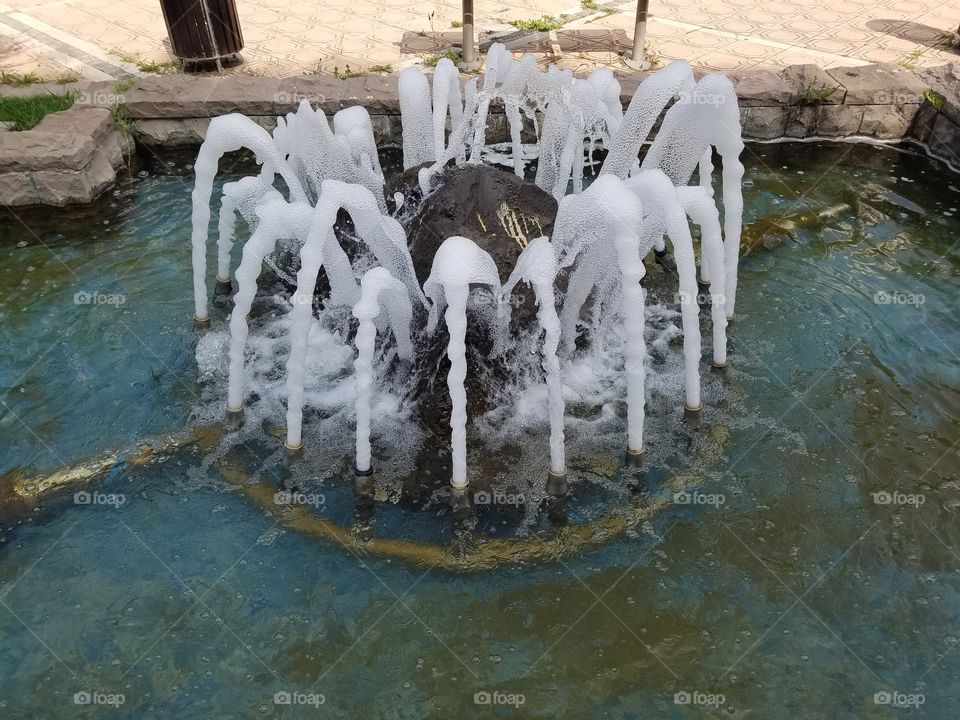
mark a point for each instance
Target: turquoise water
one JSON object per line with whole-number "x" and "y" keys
{"x": 828, "y": 574}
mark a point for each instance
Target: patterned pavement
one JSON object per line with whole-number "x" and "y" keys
{"x": 103, "y": 38}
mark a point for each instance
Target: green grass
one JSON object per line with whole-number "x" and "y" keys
{"x": 544, "y": 23}
{"x": 456, "y": 24}
{"x": 151, "y": 66}
{"x": 813, "y": 95}
{"x": 26, "y": 112}
{"x": 431, "y": 59}
{"x": 385, "y": 69}
{"x": 589, "y": 4}
{"x": 346, "y": 73}
{"x": 935, "y": 99}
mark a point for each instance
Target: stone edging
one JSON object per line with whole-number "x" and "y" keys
{"x": 882, "y": 102}
{"x": 69, "y": 157}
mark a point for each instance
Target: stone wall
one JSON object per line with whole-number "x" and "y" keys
{"x": 881, "y": 102}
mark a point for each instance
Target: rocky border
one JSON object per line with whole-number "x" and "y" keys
{"x": 70, "y": 157}
{"x": 881, "y": 102}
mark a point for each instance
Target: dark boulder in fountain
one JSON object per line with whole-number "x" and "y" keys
{"x": 497, "y": 210}
{"x": 501, "y": 213}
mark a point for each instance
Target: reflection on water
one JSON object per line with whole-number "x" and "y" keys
{"x": 821, "y": 581}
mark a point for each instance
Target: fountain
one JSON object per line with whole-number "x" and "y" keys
{"x": 600, "y": 238}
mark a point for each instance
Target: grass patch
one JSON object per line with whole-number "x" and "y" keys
{"x": 935, "y": 99}
{"x": 952, "y": 40}
{"x": 122, "y": 120}
{"x": 813, "y": 95}
{"x": 26, "y": 112}
{"x": 431, "y": 59}
{"x": 544, "y": 23}
{"x": 456, "y": 24}
{"x": 908, "y": 63}
{"x": 385, "y": 69}
{"x": 589, "y": 4}
{"x": 346, "y": 73}
{"x": 19, "y": 79}
{"x": 151, "y": 66}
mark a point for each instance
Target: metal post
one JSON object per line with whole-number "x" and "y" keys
{"x": 469, "y": 59}
{"x": 635, "y": 58}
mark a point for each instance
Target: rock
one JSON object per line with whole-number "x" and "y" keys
{"x": 802, "y": 121}
{"x": 69, "y": 157}
{"x": 500, "y": 213}
{"x": 174, "y": 96}
{"x": 839, "y": 120}
{"x": 944, "y": 80}
{"x": 763, "y": 123}
{"x": 879, "y": 85}
{"x": 887, "y": 122}
{"x": 244, "y": 94}
{"x": 494, "y": 208}
{"x": 170, "y": 133}
{"x": 945, "y": 139}
{"x": 810, "y": 85}
{"x": 759, "y": 87}
{"x": 923, "y": 122}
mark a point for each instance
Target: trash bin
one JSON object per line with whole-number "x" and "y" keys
{"x": 203, "y": 32}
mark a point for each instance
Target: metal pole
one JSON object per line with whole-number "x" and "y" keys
{"x": 469, "y": 59}
{"x": 635, "y": 59}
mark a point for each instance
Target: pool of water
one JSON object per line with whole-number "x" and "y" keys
{"x": 814, "y": 575}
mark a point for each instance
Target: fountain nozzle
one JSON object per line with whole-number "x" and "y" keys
{"x": 201, "y": 323}
{"x": 292, "y": 453}
{"x": 234, "y": 417}
{"x": 223, "y": 287}
{"x": 693, "y": 416}
{"x": 557, "y": 485}
{"x": 634, "y": 458}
